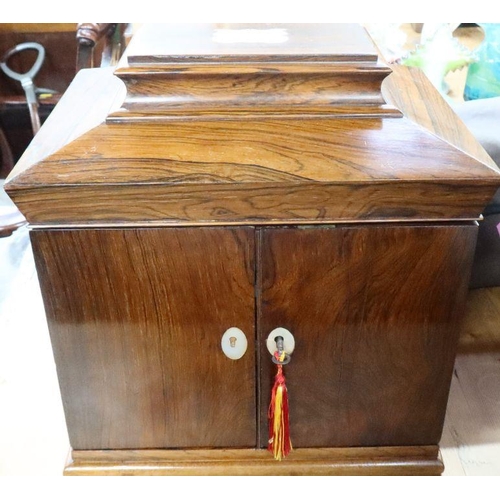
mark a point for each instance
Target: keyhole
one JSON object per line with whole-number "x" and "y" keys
{"x": 232, "y": 341}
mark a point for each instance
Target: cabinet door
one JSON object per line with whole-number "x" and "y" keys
{"x": 136, "y": 319}
{"x": 375, "y": 313}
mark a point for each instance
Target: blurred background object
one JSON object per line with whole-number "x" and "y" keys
{"x": 68, "y": 48}
{"x": 110, "y": 38}
{"x": 40, "y": 61}
{"x": 56, "y": 73}
{"x": 483, "y": 77}
{"x": 438, "y": 53}
{"x": 468, "y": 35}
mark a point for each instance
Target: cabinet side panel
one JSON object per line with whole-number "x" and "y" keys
{"x": 136, "y": 319}
{"x": 375, "y": 312}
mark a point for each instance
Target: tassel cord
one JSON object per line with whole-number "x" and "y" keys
{"x": 279, "y": 428}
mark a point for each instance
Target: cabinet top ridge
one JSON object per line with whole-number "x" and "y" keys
{"x": 242, "y": 43}
{"x": 249, "y": 70}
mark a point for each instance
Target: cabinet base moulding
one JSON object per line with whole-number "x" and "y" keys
{"x": 405, "y": 460}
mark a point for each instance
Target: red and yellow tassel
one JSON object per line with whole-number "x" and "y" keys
{"x": 280, "y": 444}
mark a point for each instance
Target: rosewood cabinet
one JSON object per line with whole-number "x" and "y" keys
{"x": 148, "y": 309}
{"x": 253, "y": 177}
{"x": 375, "y": 326}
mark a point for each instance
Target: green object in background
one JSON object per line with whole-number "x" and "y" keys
{"x": 483, "y": 77}
{"x": 438, "y": 54}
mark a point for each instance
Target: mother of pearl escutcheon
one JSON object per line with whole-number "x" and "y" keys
{"x": 234, "y": 343}
{"x": 288, "y": 340}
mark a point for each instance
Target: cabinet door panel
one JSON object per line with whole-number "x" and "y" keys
{"x": 136, "y": 319}
{"x": 375, "y": 313}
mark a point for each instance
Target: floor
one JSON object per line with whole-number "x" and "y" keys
{"x": 33, "y": 437}
{"x": 470, "y": 444}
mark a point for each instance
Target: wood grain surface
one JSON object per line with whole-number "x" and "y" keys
{"x": 158, "y": 205}
{"x": 409, "y": 90}
{"x": 284, "y": 170}
{"x": 37, "y": 27}
{"x": 375, "y": 314}
{"x": 277, "y": 90}
{"x": 203, "y": 42}
{"x": 136, "y": 320}
{"x": 415, "y": 460}
{"x": 271, "y": 152}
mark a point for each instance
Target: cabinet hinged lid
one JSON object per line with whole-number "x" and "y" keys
{"x": 251, "y": 124}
